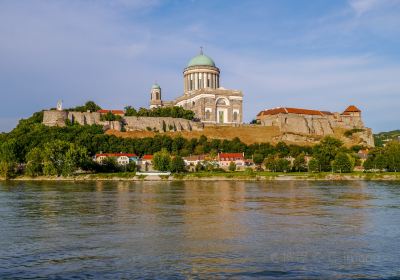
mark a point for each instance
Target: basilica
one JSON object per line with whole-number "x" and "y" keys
{"x": 203, "y": 94}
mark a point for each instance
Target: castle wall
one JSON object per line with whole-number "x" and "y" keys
{"x": 160, "y": 124}
{"x": 58, "y": 118}
{"x": 55, "y": 118}
{"x": 301, "y": 124}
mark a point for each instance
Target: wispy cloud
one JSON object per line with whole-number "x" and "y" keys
{"x": 362, "y": 6}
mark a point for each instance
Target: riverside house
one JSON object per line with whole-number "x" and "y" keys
{"x": 145, "y": 163}
{"x": 121, "y": 158}
{"x": 224, "y": 159}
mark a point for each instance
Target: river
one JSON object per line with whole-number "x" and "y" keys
{"x": 200, "y": 230}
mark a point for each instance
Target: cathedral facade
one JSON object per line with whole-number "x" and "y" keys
{"x": 203, "y": 94}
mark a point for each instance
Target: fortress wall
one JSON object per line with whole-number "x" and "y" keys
{"x": 85, "y": 118}
{"x": 156, "y": 123}
{"x": 58, "y": 118}
{"x": 54, "y": 118}
{"x": 301, "y": 124}
{"x": 312, "y": 124}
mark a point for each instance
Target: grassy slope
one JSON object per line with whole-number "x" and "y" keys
{"x": 247, "y": 134}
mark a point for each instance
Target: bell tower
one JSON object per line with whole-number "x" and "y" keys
{"x": 155, "y": 96}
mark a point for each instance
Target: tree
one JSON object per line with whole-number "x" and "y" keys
{"x": 8, "y": 158}
{"x": 130, "y": 111}
{"x": 75, "y": 158}
{"x": 34, "y": 160}
{"x": 7, "y": 169}
{"x": 270, "y": 163}
{"x": 282, "y": 149}
{"x": 299, "y": 163}
{"x": 232, "y": 166}
{"x": 381, "y": 162}
{"x": 369, "y": 164}
{"x": 54, "y": 157}
{"x": 282, "y": 165}
{"x": 131, "y": 166}
{"x": 161, "y": 160}
{"x": 63, "y": 158}
{"x": 258, "y": 159}
{"x": 314, "y": 166}
{"x": 343, "y": 163}
{"x": 326, "y": 151}
{"x": 177, "y": 164}
{"x": 92, "y": 107}
{"x": 109, "y": 165}
{"x": 392, "y": 152}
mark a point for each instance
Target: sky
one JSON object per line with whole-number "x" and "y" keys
{"x": 315, "y": 54}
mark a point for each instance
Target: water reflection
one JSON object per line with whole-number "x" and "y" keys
{"x": 221, "y": 229}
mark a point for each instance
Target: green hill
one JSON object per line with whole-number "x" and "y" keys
{"x": 384, "y": 137}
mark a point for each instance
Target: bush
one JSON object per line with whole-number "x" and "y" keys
{"x": 177, "y": 165}
{"x": 350, "y": 132}
{"x": 232, "y": 166}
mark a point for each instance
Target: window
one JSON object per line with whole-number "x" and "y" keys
{"x": 235, "y": 116}
{"x": 208, "y": 114}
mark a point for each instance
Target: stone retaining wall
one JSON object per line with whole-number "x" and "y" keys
{"x": 160, "y": 124}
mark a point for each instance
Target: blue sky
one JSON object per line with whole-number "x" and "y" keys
{"x": 320, "y": 54}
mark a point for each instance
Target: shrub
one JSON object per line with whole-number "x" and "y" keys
{"x": 232, "y": 166}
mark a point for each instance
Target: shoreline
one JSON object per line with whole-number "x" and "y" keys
{"x": 218, "y": 177}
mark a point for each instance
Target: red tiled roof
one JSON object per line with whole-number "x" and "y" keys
{"x": 229, "y": 156}
{"x": 147, "y": 157}
{"x": 115, "y": 155}
{"x": 352, "y": 109}
{"x": 288, "y": 110}
{"x": 115, "y": 112}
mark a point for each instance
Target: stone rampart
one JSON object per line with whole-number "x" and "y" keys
{"x": 312, "y": 124}
{"x": 161, "y": 124}
{"x": 55, "y": 118}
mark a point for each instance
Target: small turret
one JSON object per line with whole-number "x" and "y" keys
{"x": 155, "y": 96}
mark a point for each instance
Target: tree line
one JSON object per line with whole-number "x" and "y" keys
{"x": 173, "y": 112}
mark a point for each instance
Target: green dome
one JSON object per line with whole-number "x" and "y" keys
{"x": 155, "y": 86}
{"x": 201, "y": 60}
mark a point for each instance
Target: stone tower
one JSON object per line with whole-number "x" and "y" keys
{"x": 155, "y": 96}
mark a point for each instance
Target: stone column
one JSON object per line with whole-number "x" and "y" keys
{"x": 214, "y": 81}
{"x": 196, "y": 81}
{"x": 200, "y": 80}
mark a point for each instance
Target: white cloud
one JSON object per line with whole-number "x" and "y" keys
{"x": 362, "y": 6}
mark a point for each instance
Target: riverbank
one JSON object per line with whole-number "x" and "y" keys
{"x": 221, "y": 176}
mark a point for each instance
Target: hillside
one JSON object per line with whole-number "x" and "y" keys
{"x": 381, "y": 138}
{"x": 247, "y": 134}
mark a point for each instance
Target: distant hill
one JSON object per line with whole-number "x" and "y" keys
{"x": 384, "y": 137}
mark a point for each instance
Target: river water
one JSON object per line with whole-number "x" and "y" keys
{"x": 200, "y": 230}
